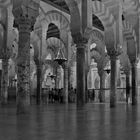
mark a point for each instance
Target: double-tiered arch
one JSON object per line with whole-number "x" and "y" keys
{"x": 75, "y": 16}
{"x": 58, "y": 19}
{"x": 108, "y": 21}
{"x": 103, "y": 13}
{"x": 97, "y": 38}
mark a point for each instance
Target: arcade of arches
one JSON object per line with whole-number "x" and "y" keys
{"x": 99, "y": 39}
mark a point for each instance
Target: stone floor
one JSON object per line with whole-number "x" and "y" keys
{"x": 66, "y": 122}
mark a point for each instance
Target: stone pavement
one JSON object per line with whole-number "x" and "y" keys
{"x": 66, "y": 122}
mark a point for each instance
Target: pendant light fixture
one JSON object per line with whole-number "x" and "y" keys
{"x": 60, "y": 58}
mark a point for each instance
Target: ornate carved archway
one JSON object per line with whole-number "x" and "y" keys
{"x": 108, "y": 21}
{"x": 97, "y": 37}
{"x": 58, "y": 19}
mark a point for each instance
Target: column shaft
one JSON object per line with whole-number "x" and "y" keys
{"x": 4, "y": 85}
{"x": 86, "y": 74}
{"x": 134, "y": 84}
{"x": 5, "y": 58}
{"x": 80, "y": 75}
{"x": 0, "y": 80}
{"x": 113, "y": 84}
{"x": 127, "y": 87}
{"x": 86, "y": 87}
{"x": 69, "y": 75}
{"x": 102, "y": 87}
{"x": 56, "y": 77}
{"x": 23, "y": 65}
{"x": 25, "y": 14}
{"x": 39, "y": 86}
{"x": 65, "y": 94}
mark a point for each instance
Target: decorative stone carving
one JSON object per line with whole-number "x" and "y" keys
{"x": 79, "y": 39}
{"x": 113, "y": 53}
{"x": 25, "y": 13}
{"x": 6, "y": 53}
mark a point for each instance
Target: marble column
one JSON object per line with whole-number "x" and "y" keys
{"x": 5, "y": 60}
{"x": 65, "y": 92}
{"x": 23, "y": 66}
{"x": 39, "y": 66}
{"x": 39, "y": 83}
{"x": 25, "y": 13}
{"x": 0, "y": 80}
{"x": 4, "y": 82}
{"x": 56, "y": 77}
{"x": 102, "y": 86}
{"x": 69, "y": 75}
{"x": 80, "y": 72}
{"x": 86, "y": 87}
{"x": 134, "y": 83}
{"x": 127, "y": 86}
{"x": 86, "y": 75}
{"x": 113, "y": 80}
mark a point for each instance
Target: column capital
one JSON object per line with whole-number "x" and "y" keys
{"x": 127, "y": 71}
{"x": 133, "y": 60}
{"x": 25, "y": 13}
{"x": 80, "y": 40}
{"x": 113, "y": 53}
{"x": 5, "y": 53}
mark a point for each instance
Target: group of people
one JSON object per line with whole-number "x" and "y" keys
{"x": 57, "y": 95}
{"x": 72, "y": 95}
{"x": 91, "y": 95}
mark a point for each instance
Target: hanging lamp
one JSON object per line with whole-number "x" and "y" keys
{"x": 108, "y": 71}
{"x": 60, "y": 58}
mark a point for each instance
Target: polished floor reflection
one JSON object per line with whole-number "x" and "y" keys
{"x": 66, "y": 122}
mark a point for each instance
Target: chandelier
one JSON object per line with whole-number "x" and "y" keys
{"x": 60, "y": 58}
